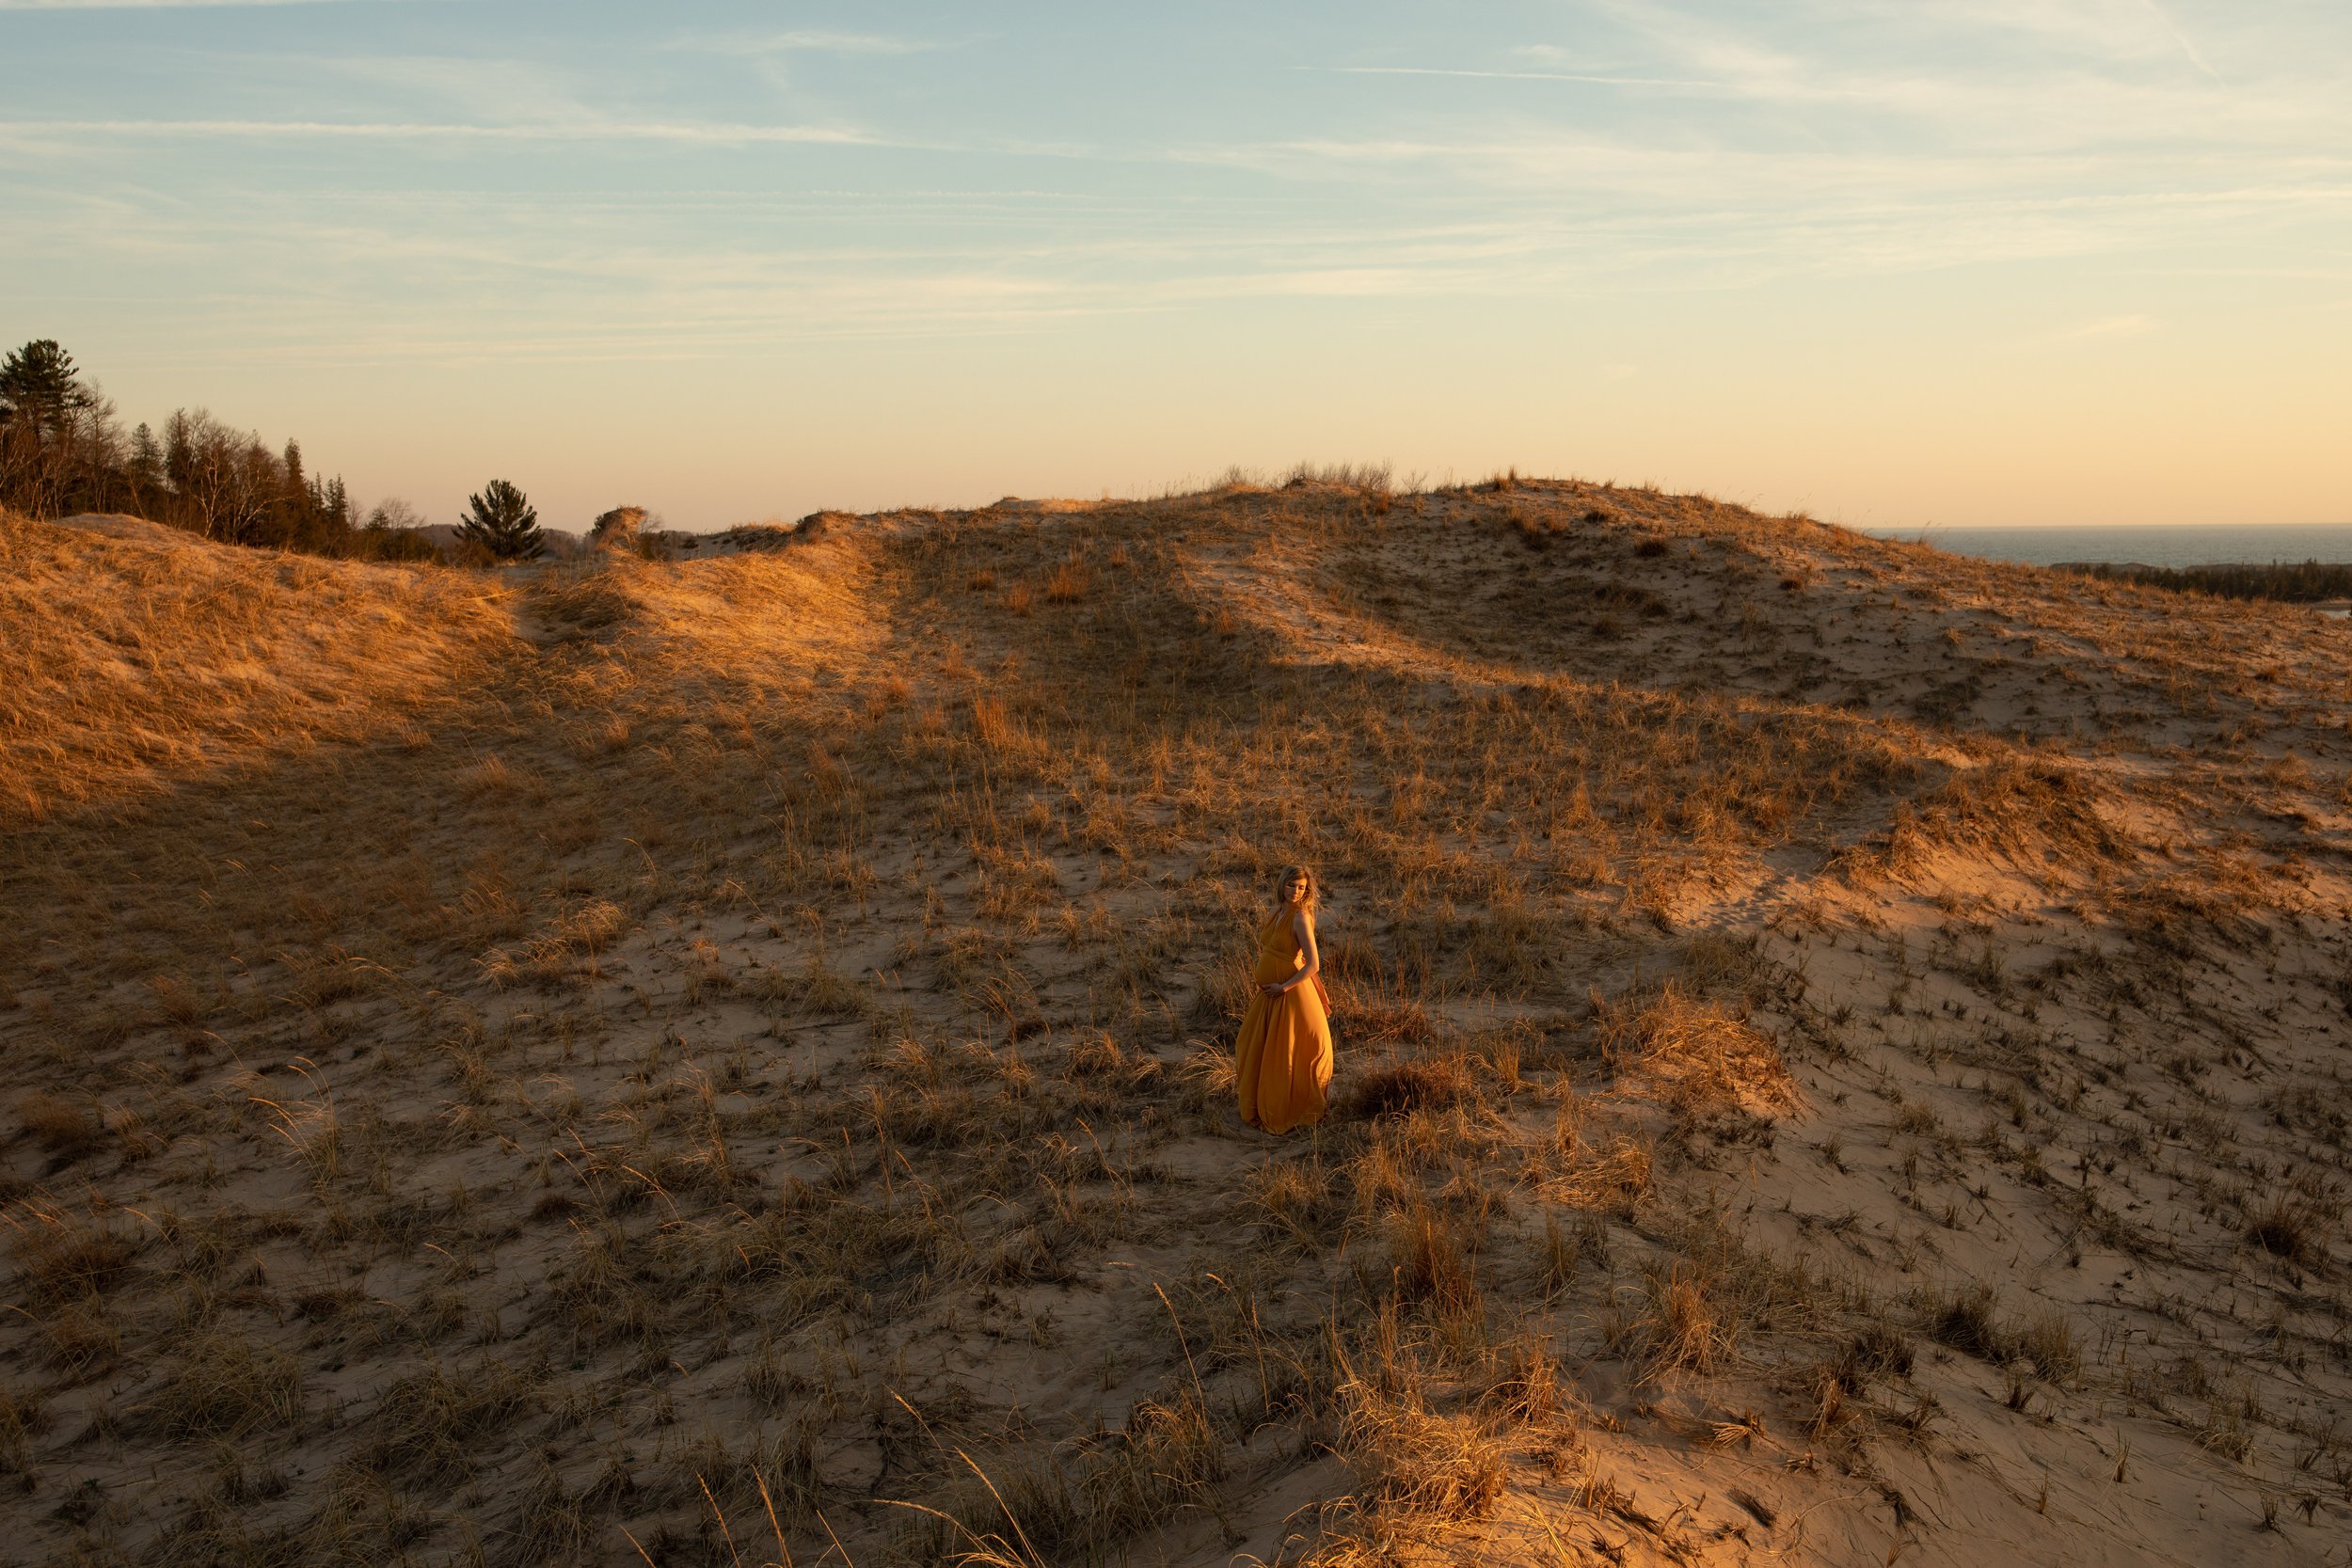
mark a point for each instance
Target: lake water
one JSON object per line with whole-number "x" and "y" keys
{"x": 2174, "y": 545}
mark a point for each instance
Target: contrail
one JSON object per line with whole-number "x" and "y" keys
{"x": 2182, "y": 38}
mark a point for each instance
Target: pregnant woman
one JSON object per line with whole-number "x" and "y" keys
{"x": 1283, "y": 1062}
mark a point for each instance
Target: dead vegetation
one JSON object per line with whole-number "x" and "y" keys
{"x": 132, "y": 665}
{"x": 727, "y": 1061}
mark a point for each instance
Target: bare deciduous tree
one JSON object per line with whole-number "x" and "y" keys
{"x": 226, "y": 478}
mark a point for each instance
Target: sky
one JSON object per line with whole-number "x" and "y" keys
{"x": 1899, "y": 264}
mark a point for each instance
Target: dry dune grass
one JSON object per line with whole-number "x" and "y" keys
{"x": 1696, "y": 1056}
{"x": 726, "y": 1062}
{"x": 131, "y": 662}
{"x": 767, "y": 621}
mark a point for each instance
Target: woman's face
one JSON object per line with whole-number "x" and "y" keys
{"x": 1295, "y": 891}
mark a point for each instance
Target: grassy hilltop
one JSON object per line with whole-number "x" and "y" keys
{"x": 1842, "y": 1048}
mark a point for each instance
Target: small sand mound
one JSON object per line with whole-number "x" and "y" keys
{"x": 1045, "y": 505}
{"x": 121, "y": 525}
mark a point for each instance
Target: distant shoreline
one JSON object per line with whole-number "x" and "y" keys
{"x": 2162, "y": 545}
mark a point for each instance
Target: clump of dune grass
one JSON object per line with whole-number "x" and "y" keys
{"x": 220, "y": 1385}
{"x": 1411, "y": 1084}
{"x": 1699, "y": 1056}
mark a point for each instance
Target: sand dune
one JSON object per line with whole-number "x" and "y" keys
{"x": 1842, "y": 1048}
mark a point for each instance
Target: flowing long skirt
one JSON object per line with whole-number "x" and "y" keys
{"x": 1282, "y": 1070}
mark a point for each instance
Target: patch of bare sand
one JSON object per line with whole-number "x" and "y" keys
{"x": 1840, "y": 1057}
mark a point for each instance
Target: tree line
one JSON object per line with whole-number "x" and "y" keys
{"x": 2293, "y": 582}
{"x": 63, "y": 450}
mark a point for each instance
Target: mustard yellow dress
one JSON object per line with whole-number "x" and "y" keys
{"x": 1282, "y": 1067}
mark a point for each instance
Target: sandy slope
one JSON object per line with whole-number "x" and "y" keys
{"x": 1842, "y": 1049}
{"x": 137, "y": 657}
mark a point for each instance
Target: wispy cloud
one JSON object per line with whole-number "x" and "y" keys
{"x": 1508, "y": 76}
{"x": 150, "y": 5}
{"x": 712, "y": 133}
{"x": 1997, "y": 71}
{"x": 804, "y": 41}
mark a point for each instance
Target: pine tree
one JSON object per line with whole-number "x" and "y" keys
{"x": 146, "y": 458}
{"x": 38, "y": 383}
{"x": 502, "y": 521}
{"x": 179, "y": 449}
{"x": 57, "y": 435}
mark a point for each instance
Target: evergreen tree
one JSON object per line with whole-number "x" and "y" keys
{"x": 39, "y": 384}
{"x": 146, "y": 458}
{"x": 502, "y": 521}
{"x": 59, "y": 444}
{"x": 179, "y": 449}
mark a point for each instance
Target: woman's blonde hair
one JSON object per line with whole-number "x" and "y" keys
{"x": 1283, "y": 884}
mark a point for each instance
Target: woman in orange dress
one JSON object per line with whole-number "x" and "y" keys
{"x": 1282, "y": 1067}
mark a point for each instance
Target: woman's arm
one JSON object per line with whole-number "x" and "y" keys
{"x": 1303, "y": 927}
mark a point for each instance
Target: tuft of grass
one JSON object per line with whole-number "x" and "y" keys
{"x": 1423, "y": 1474}
{"x": 2295, "y": 1225}
{"x": 23, "y": 1417}
{"x": 1430, "y": 1264}
{"x": 1700, "y": 1056}
{"x": 2048, "y": 1341}
{"x": 1968, "y": 1318}
{"x": 425, "y": 1422}
{"x": 1419, "y": 1083}
{"x": 1685, "y": 1328}
{"x": 222, "y": 1386}
{"x": 63, "y": 1258}
{"x": 1068, "y": 582}
{"x": 1875, "y": 1351}
{"x": 1028, "y": 1509}
{"x": 1296, "y": 1195}
{"x": 62, "y": 1128}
